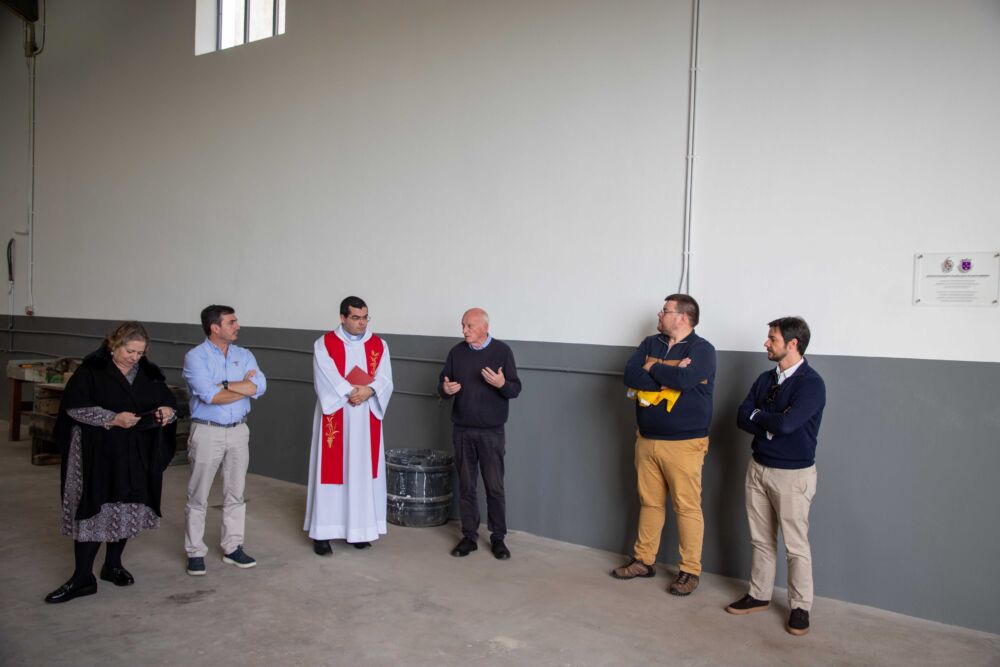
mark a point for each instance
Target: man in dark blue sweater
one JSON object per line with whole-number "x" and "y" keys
{"x": 480, "y": 375}
{"x": 673, "y": 439}
{"x": 782, "y": 412}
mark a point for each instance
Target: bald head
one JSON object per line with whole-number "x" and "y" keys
{"x": 475, "y": 326}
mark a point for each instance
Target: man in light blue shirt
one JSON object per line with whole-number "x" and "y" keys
{"x": 221, "y": 378}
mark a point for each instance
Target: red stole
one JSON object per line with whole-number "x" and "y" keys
{"x": 332, "y": 437}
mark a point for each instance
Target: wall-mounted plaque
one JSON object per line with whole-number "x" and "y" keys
{"x": 956, "y": 279}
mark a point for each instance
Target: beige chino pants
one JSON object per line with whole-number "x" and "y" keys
{"x": 209, "y": 448}
{"x": 778, "y": 498}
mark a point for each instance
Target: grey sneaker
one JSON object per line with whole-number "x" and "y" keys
{"x": 196, "y": 566}
{"x": 238, "y": 558}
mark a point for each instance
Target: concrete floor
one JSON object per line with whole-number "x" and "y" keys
{"x": 403, "y": 602}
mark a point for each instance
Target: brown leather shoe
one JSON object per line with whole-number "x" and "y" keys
{"x": 684, "y": 584}
{"x": 632, "y": 569}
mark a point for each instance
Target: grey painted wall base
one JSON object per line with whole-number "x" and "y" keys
{"x": 905, "y": 514}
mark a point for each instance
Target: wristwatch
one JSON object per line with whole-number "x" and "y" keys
{"x": 225, "y": 384}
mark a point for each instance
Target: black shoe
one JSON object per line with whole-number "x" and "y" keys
{"x": 464, "y": 548}
{"x": 196, "y": 566}
{"x": 748, "y": 605}
{"x": 322, "y": 548}
{"x": 499, "y": 549}
{"x": 798, "y": 622}
{"x": 361, "y": 545}
{"x": 239, "y": 558}
{"x": 119, "y": 576}
{"x": 71, "y": 589}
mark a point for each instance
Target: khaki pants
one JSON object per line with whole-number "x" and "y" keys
{"x": 210, "y": 447}
{"x": 672, "y": 466}
{"x": 780, "y": 498}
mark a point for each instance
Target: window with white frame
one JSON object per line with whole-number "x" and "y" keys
{"x": 221, "y": 24}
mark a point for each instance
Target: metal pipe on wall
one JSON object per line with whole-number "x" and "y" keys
{"x": 685, "y": 282}
{"x": 295, "y": 350}
{"x": 271, "y": 348}
{"x": 31, "y": 51}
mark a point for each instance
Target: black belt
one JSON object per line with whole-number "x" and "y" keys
{"x": 211, "y": 423}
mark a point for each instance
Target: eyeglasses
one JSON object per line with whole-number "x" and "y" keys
{"x": 670, "y": 312}
{"x": 360, "y": 318}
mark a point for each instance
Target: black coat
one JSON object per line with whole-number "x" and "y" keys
{"x": 119, "y": 465}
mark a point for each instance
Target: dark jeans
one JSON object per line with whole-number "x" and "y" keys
{"x": 478, "y": 450}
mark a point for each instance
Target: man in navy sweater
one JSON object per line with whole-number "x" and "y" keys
{"x": 782, "y": 412}
{"x": 480, "y": 375}
{"x": 673, "y": 439}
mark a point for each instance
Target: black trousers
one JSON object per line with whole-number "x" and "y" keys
{"x": 478, "y": 450}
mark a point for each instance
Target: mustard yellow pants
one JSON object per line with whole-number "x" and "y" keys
{"x": 670, "y": 467}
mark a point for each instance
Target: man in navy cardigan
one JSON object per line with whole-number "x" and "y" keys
{"x": 782, "y": 412}
{"x": 672, "y": 441}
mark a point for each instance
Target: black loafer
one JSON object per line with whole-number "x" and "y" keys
{"x": 119, "y": 576}
{"x": 322, "y": 547}
{"x": 361, "y": 545}
{"x": 798, "y": 622}
{"x": 499, "y": 549}
{"x": 71, "y": 589}
{"x": 464, "y": 548}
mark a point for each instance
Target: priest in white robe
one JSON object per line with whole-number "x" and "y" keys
{"x": 353, "y": 380}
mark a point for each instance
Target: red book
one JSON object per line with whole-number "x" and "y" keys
{"x": 358, "y": 377}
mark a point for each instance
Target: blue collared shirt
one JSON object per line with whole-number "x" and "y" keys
{"x": 205, "y": 367}
{"x": 486, "y": 344}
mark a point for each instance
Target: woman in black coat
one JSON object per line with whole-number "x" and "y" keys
{"x": 115, "y": 430}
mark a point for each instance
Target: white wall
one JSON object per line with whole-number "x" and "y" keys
{"x": 838, "y": 139}
{"x": 523, "y": 156}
